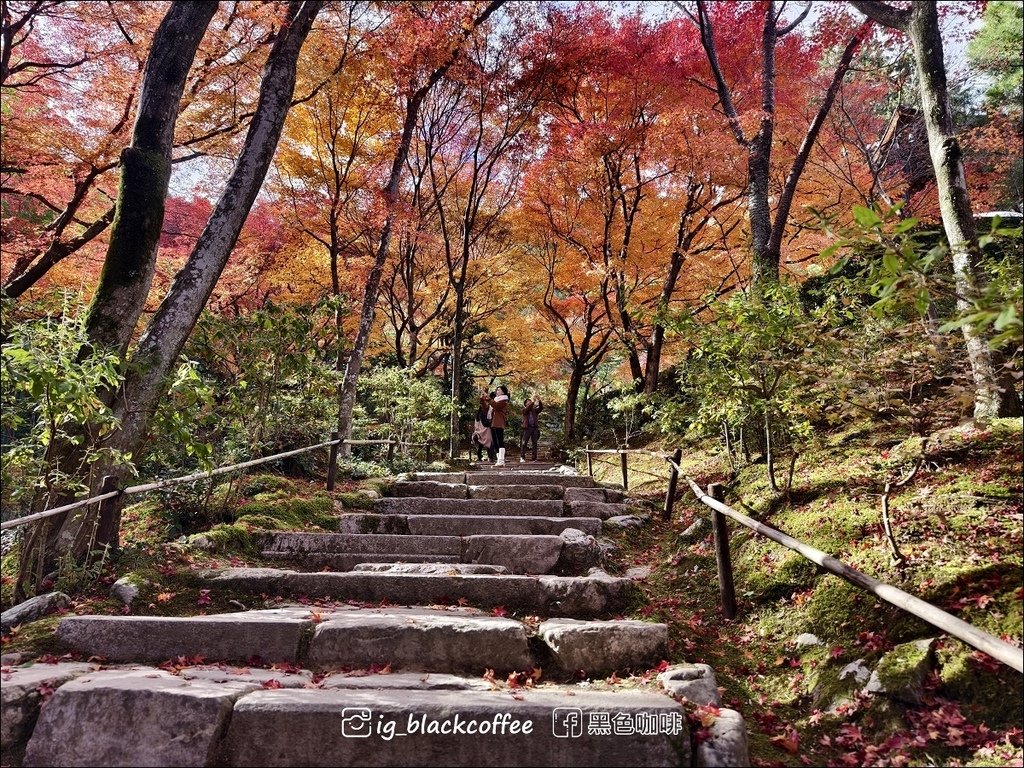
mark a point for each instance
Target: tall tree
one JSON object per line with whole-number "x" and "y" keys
{"x": 767, "y": 228}
{"x": 419, "y": 85}
{"x": 119, "y": 298}
{"x": 994, "y": 393}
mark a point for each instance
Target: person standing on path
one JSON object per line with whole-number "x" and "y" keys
{"x": 482, "y": 430}
{"x": 531, "y": 427}
{"x": 499, "y": 409}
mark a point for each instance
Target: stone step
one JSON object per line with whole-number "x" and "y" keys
{"x": 443, "y": 568}
{"x": 424, "y": 640}
{"x": 497, "y": 492}
{"x": 346, "y": 637}
{"x": 383, "y": 546}
{"x": 350, "y": 561}
{"x": 120, "y": 717}
{"x": 491, "y": 477}
{"x": 432, "y": 490}
{"x": 590, "y": 596}
{"x": 436, "y": 506}
{"x": 271, "y": 636}
{"x": 597, "y": 509}
{"x": 429, "y": 489}
{"x": 462, "y": 525}
{"x": 386, "y": 728}
{"x": 506, "y": 476}
{"x": 515, "y": 553}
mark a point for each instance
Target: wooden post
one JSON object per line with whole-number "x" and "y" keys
{"x": 332, "y": 462}
{"x": 590, "y": 461}
{"x": 108, "y": 518}
{"x": 673, "y": 479}
{"x": 725, "y": 585}
{"x": 391, "y": 451}
{"x": 430, "y": 451}
{"x": 625, "y": 470}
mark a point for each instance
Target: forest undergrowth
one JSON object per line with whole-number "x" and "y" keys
{"x": 798, "y": 657}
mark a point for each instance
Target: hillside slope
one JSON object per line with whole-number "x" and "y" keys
{"x": 797, "y": 659}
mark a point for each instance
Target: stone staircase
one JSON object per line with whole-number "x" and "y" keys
{"x": 411, "y": 670}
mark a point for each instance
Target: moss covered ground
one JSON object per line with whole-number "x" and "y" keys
{"x": 958, "y": 524}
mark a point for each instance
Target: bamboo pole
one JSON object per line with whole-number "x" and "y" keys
{"x": 983, "y": 641}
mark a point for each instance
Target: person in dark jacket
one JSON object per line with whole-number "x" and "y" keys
{"x": 531, "y": 426}
{"x": 498, "y": 401}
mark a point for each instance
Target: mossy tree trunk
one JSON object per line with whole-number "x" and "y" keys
{"x": 994, "y": 394}
{"x": 145, "y": 173}
{"x": 131, "y": 254}
{"x": 130, "y": 261}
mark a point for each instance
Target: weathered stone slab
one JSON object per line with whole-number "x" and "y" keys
{"x": 413, "y": 681}
{"x": 432, "y": 641}
{"x": 596, "y": 594}
{"x": 34, "y": 608}
{"x": 278, "y": 728}
{"x": 577, "y": 596}
{"x": 625, "y": 521}
{"x": 440, "y": 477}
{"x": 519, "y": 554}
{"x": 585, "y": 494}
{"x": 535, "y": 492}
{"x": 695, "y": 682}
{"x": 231, "y": 637}
{"x": 140, "y": 717}
{"x": 429, "y": 489}
{"x": 341, "y": 561}
{"x": 500, "y": 507}
{"x": 602, "y": 647}
{"x": 597, "y": 509}
{"x": 727, "y": 745}
{"x": 251, "y": 676}
{"x": 359, "y": 541}
{"x": 369, "y": 524}
{"x": 471, "y": 525}
{"x": 464, "y": 524}
{"x": 529, "y": 478}
{"x": 580, "y": 553}
{"x": 21, "y": 695}
{"x": 447, "y": 569}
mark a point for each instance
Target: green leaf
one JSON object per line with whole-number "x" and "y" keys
{"x": 865, "y": 217}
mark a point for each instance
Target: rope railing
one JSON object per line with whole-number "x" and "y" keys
{"x": 111, "y": 482}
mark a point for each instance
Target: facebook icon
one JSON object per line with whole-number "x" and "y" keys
{"x": 567, "y": 722}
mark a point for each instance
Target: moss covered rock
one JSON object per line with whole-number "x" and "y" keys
{"x": 902, "y": 672}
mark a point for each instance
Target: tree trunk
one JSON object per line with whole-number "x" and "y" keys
{"x": 572, "y": 395}
{"x": 145, "y": 173}
{"x": 990, "y": 399}
{"x": 160, "y": 346}
{"x": 355, "y": 359}
{"x": 994, "y": 393}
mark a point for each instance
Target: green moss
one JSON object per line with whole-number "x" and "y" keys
{"x": 996, "y": 691}
{"x": 225, "y": 537}
{"x": 904, "y": 666}
{"x": 291, "y": 513}
{"x": 35, "y": 638}
{"x": 355, "y": 500}
{"x": 257, "y": 484}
